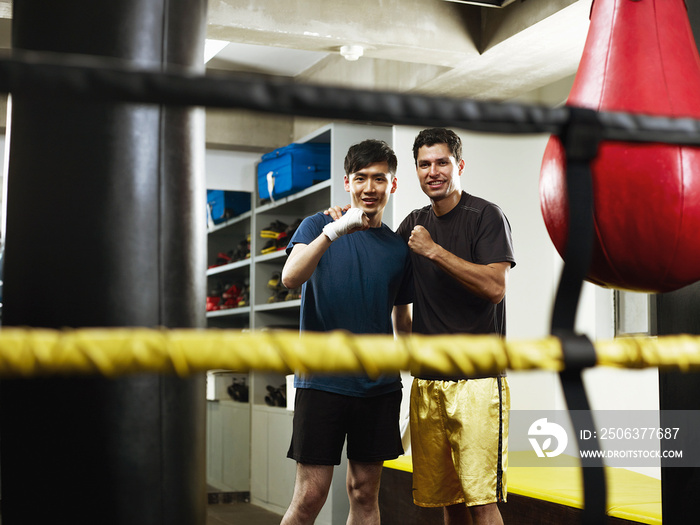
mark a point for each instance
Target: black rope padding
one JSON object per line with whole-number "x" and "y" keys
{"x": 104, "y": 78}
{"x": 578, "y": 350}
{"x": 581, "y": 138}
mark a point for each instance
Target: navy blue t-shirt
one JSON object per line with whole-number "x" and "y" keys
{"x": 354, "y": 287}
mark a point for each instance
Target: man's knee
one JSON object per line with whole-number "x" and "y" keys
{"x": 363, "y": 484}
{"x": 309, "y": 502}
{"x": 310, "y": 493}
{"x": 363, "y": 493}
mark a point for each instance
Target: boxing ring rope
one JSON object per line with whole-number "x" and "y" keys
{"x": 116, "y": 351}
{"x": 102, "y": 78}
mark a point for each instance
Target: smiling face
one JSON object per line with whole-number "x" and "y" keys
{"x": 369, "y": 190}
{"x": 439, "y": 173}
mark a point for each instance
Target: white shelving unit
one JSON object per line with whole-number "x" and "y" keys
{"x": 225, "y": 237}
{"x": 228, "y": 453}
{"x": 271, "y": 472}
{"x": 228, "y": 435}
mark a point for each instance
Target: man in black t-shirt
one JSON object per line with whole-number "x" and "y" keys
{"x": 462, "y": 252}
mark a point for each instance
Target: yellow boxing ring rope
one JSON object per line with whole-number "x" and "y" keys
{"x": 117, "y": 351}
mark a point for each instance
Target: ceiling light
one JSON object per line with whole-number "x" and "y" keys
{"x": 351, "y": 53}
{"x": 212, "y": 48}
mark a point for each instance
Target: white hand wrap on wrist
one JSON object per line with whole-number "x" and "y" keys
{"x": 351, "y": 219}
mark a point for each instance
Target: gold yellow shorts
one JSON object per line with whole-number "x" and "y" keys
{"x": 459, "y": 441}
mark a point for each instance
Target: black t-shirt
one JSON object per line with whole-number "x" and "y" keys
{"x": 477, "y": 231}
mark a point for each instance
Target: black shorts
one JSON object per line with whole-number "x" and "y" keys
{"x": 323, "y": 419}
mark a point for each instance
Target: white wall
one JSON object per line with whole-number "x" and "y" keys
{"x": 231, "y": 170}
{"x": 3, "y": 185}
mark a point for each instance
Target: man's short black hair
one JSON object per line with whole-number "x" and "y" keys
{"x": 369, "y": 152}
{"x": 432, "y": 136}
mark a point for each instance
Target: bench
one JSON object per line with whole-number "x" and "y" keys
{"x": 536, "y": 495}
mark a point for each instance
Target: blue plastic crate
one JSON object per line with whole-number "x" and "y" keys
{"x": 224, "y": 205}
{"x": 293, "y": 168}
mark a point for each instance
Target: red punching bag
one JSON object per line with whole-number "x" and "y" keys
{"x": 639, "y": 57}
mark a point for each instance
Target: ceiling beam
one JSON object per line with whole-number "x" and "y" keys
{"x": 544, "y": 52}
{"x": 498, "y": 25}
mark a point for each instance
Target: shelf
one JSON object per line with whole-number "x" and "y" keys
{"x": 245, "y": 310}
{"x": 274, "y": 256}
{"x": 228, "y": 267}
{"x": 286, "y": 305}
{"x": 301, "y": 204}
{"x": 230, "y": 222}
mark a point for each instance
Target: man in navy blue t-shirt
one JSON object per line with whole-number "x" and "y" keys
{"x": 352, "y": 272}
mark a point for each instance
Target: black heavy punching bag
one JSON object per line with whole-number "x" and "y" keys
{"x": 105, "y": 227}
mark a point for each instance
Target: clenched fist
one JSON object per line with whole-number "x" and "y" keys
{"x": 354, "y": 220}
{"x": 421, "y": 242}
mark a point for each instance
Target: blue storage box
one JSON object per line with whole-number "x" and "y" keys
{"x": 292, "y": 168}
{"x": 223, "y": 205}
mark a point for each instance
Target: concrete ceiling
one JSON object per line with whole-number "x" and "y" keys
{"x": 429, "y": 46}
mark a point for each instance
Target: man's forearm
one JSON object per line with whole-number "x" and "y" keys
{"x": 487, "y": 281}
{"x": 303, "y": 260}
